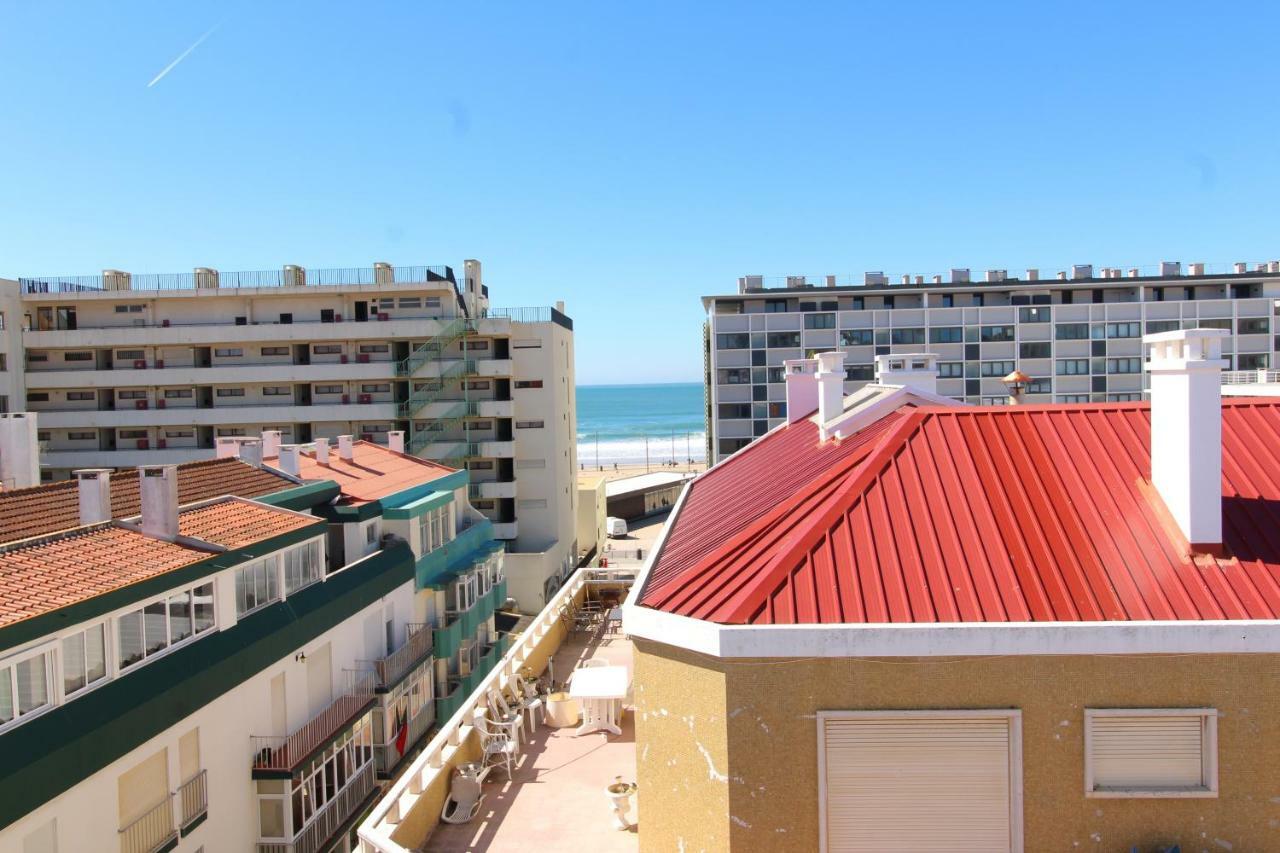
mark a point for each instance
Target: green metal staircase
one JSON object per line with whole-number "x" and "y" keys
{"x": 433, "y": 350}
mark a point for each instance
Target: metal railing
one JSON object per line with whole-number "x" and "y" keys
{"x": 284, "y": 752}
{"x": 151, "y": 830}
{"x": 193, "y": 798}
{"x": 233, "y": 280}
{"x": 434, "y": 348}
{"x": 436, "y": 386}
{"x": 394, "y": 666}
{"x": 1250, "y": 377}
{"x": 331, "y": 815}
{"x": 387, "y": 754}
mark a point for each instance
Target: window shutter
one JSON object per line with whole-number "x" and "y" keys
{"x": 1147, "y": 752}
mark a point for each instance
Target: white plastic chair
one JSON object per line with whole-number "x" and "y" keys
{"x": 503, "y": 718}
{"x": 587, "y": 664}
{"x": 499, "y": 746}
{"x": 508, "y": 710}
{"x": 530, "y": 701}
{"x": 464, "y": 800}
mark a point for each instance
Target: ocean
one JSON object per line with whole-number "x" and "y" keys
{"x": 615, "y": 420}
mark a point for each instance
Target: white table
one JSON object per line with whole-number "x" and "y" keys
{"x": 601, "y": 690}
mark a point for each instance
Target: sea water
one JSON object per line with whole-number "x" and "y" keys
{"x": 617, "y": 422}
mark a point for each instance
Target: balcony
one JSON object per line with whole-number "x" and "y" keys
{"x": 153, "y": 831}
{"x": 316, "y": 834}
{"x": 193, "y": 801}
{"x": 222, "y": 374}
{"x": 505, "y": 530}
{"x": 492, "y": 367}
{"x": 492, "y": 489}
{"x": 495, "y": 408}
{"x": 277, "y": 756}
{"x": 188, "y": 415}
{"x": 388, "y": 671}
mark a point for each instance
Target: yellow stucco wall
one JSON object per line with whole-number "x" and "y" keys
{"x": 763, "y": 713}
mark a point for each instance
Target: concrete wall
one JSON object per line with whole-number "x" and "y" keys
{"x": 727, "y": 750}
{"x": 591, "y": 516}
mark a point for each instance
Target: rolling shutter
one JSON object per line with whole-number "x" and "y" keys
{"x": 1147, "y": 752}
{"x": 917, "y": 783}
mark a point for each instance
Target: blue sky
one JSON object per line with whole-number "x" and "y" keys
{"x": 628, "y": 158}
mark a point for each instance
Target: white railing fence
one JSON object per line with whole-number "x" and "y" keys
{"x": 151, "y": 830}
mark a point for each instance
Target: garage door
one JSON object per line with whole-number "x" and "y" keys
{"x": 920, "y": 781}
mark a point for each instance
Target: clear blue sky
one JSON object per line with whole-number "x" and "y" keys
{"x": 630, "y": 157}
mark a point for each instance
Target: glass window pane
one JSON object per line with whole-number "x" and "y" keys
{"x": 129, "y": 630}
{"x": 73, "y": 663}
{"x": 95, "y": 653}
{"x": 6, "y": 695}
{"x": 33, "y": 684}
{"x": 155, "y": 627}
{"x": 204, "y": 607}
{"x": 179, "y": 616}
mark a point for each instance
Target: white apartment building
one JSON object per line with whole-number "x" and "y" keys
{"x": 127, "y": 369}
{"x": 1076, "y": 335}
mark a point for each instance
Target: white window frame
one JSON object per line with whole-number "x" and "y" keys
{"x": 1208, "y": 753}
{"x": 315, "y": 546}
{"x": 273, "y": 565}
{"x": 1013, "y": 715}
{"x": 114, "y": 666}
{"x": 48, "y": 649}
{"x": 108, "y": 672}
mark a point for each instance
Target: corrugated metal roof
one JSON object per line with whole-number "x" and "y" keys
{"x": 996, "y": 514}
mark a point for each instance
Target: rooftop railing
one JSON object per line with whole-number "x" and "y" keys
{"x": 234, "y": 280}
{"x": 1250, "y": 377}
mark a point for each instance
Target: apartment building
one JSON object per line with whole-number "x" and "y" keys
{"x": 226, "y": 672}
{"x": 1076, "y": 335}
{"x": 127, "y": 369}
{"x": 890, "y": 625}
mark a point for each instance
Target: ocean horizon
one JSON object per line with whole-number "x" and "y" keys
{"x": 622, "y": 423}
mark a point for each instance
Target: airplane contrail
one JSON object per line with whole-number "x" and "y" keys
{"x": 182, "y": 56}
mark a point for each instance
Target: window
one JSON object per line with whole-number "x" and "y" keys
{"x": 951, "y": 370}
{"x": 37, "y": 356}
{"x": 274, "y": 351}
{"x": 370, "y": 348}
{"x": 256, "y": 585}
{"x": 528, "y": 383}
{"x": 276, "y": 390}
{"x": 735, "y": 410}
{"x": 179, "y": 433}
{"x": 1131, "y": 397}
{"x": 410, "y": 301}
{"x": 328, "y": 389}
{"x": 1157, "y": 326}
{"x": 327, "y": 349}
{"x": 782, "y": 339}
{"x": 775, "y": 306}
{"x": 1073, "y": 398}
{"x": 529, "y": 424}
{"x": 1073, "y": 367}
{"x": 132, "y": 395}
{"x": 856, "y": 337}
{"x": 301, "y": 566}
{"x": 229, "y": 352}
{"x": 230, "y": 392}
{"x": 997, "y": 368}
{"x": 131, "y": 433}
{"x": 859, "y": 372}
{"x": 1167, "y": 752}
{"x": 536, "y": 464}
{"x": 946, "y": 335}
{"x": 725, "y": 376}
{"x": 25, "y": 686}
{"x": 738, "y": 340}
{"x": 80, "y": 396}
{"x": 78, "y": 435}
{"x": 37, "y": 397}
{"x": 995, "y": 334}
{"x": 130, "y": 354}
{"x": 376, "y": 388}
{"x": 231, "y": 431}
{"x": 1252, "y": 361}
{"x": 1124, "y": 330}
{"x": 135, "y": 308}
{"x": 435, "y": 528}
{"x": 154, "y": 627}
{"x": 906, "y": 336}
{"x": 1124, "y": 365}
{"x": 532, "y": 503}
{"x": 820, "y": 321}
{"x": 477, "y": 426}
{"x": 1214, "y": 324}
{"x": 1033, "y": 315}
{"x": 1034, "y": 349}
{"x": 77, "y": 356}
{"x": 1071, "y": 331}
{"x": 477, "y": 384}
{"x": 475, "y": 345}
{"x": 1252, "y": 326}
{"x": 526, "y": 343}
{"x": 1040, "y": 386}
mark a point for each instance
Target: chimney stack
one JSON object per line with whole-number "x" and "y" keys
{"x": 395, "y": 440}
{"x": 158, "y": 485}
{"x": 344, "y": 448}
{"x": 251, "y": 451}
{"x": 322, "y": 450}
{"x": 95, "y": 494}
{"x": 917, "y": 371}
{"x": 228, "y": 447}
{"x": 270, "y": 443}
{"x": 802, "y": 387}
{"x": 287, "y": 460}
{"x": 1186, "y": 429}
{"x": 19, "y": 451}
{"x": 830, "y": 387}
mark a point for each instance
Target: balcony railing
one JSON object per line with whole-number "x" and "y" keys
{"x": 1250, "y": 377}
{"x": 390, "y": 669}
{"x": 388, "y": 755}
{"x": 275, "y": 754}
{"x": 151, "y": 831}
{"x": 193, "y": 799}
{"x": 316, "y": 834}
{"x": 238, "y": 280}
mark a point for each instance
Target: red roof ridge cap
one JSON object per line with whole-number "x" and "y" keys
{"x": 743, "y": 605}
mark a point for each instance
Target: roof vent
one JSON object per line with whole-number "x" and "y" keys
{"x": 1062, "y": 276}
{"x": 322, "y": 450}
{"x": 1082, "y": 271}
{"x": 384, "y": 273}
{"x": 830, "y": 387}
{"x": 794, "y": 281}
{"x": 345, "y": 449}
{"x": 802, "y": 387}
{"x": 831, "y": 281}
{"x": 875, "y": 278}
{"x": 959, "y": 275}
{"x": 1240, "y": 268}
{"x": 395, "y": 440}
{"x": 270, "y": 443}
{"x": 289, "y": 460}
{"x": 206, "y": 278}
{"x": 158, "y": 485}
{"x": 116, "y": 280}
{"x": 1170, "y": 268}
{"x": 918, "y": 370}
{"x": 937, "y": 279}
{"x": 95, "y": 494}
{"x": 19, "y": 450}
{"x": 294, "y": 276}
{"x": 997, "y": 275}
{"x": 1133, "y": 272}
{"x": 1033, "y": 274}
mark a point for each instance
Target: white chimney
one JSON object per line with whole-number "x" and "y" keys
{"x": 831, "y": 281}
{"x": 1082, "y": 271}
{"x": 830, "y": 387}
{"x": 270, "y": 443}
{"x": 1170, "y": 268}
{"x": 1195, "y": 269}
{"x": 251, "y": 451}
{"x": 95, "y": 494}
{"x": 802, "y": 387}
{"x": 1033, "y": 274}
{"x": 19, "y": 450}
{"x": 959, "y": 275}
{"x": 322, "y": 450}
{"x": 158, "y": 485}
{"x": 228, "y": 447}
{"x": 395, "y": 440}
{"x": 287, "y": 460}
{"x": 1240, "y": 268}
{"x": 1133, "y": 272}
{"x": 918, "y": 371}
{"x": 1186, "y": 429}
{"x": 344, "y": 448}
{"x": 937, "y": 279}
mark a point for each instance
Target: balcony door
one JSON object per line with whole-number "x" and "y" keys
{"x": 319, "y": 680}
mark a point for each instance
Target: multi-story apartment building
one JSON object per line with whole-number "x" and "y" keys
{"x": 145, "y": 369}
{"x": 1077, "y": 335}
{"x": 227, "y": 654}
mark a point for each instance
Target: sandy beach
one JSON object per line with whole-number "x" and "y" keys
{"x": 590, "y": 474}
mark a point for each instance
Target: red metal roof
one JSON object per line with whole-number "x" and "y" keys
{"x": 993, "y": 514}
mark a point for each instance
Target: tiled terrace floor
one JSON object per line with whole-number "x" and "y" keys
{"x": 556, "y": 800}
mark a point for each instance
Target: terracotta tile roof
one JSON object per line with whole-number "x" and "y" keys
{"x": 236, "y": 523}
{"x": 994, "y": 514}
{"x": 374, "y": 471}
{"x": 75, "y": 566}
{"x": 52, "y": 507}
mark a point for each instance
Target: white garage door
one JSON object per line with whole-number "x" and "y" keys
{"x": 924, "y": 781}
